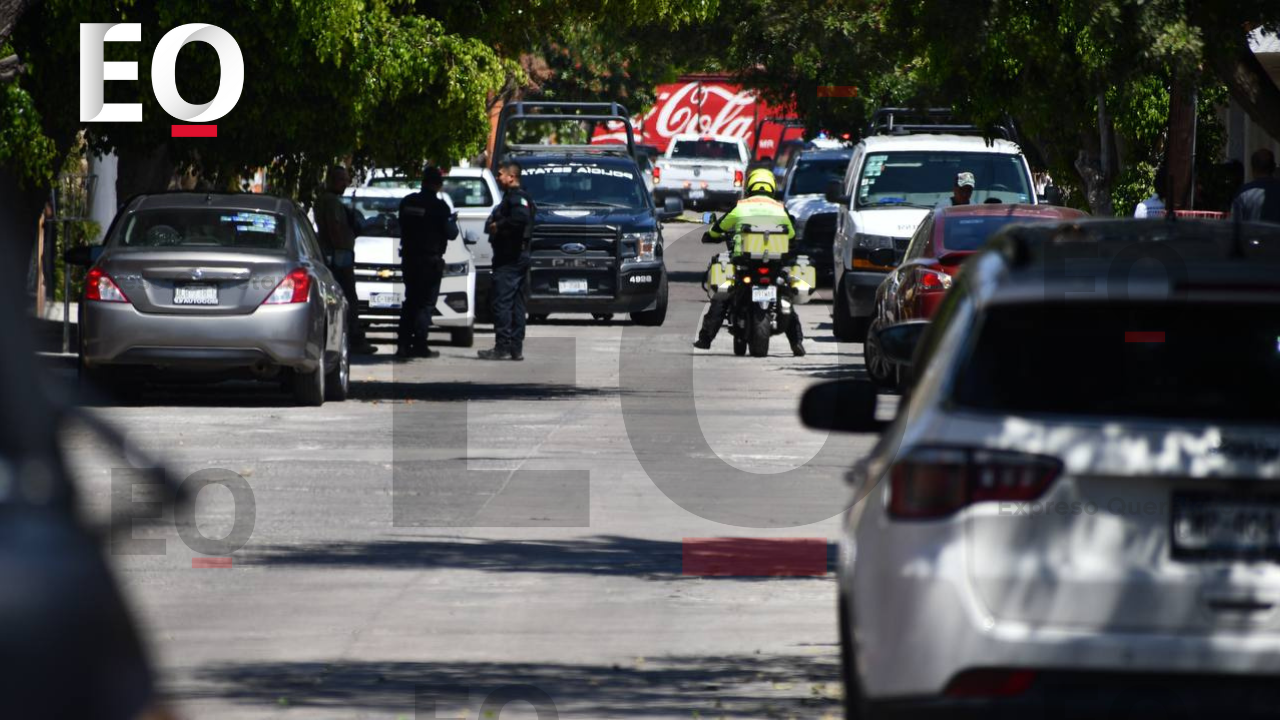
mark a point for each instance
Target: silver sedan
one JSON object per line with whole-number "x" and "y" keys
{"x": 216, "y": 286}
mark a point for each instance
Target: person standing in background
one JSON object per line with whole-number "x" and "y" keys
{"x": 338, "y": 240}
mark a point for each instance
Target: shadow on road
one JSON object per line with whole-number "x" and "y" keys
{"x": 448, "y": 391}
{"x": 608, "y": 555}
{"x": 799, "y": 685}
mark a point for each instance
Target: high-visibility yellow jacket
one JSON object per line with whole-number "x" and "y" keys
{"x": 757, "y": 211}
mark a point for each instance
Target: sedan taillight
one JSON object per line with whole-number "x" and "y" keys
{"x": 657, "y": 174}
{"x": 294, "y": 288}
{"x": 932, "y": 280}
{"x": 737, "y": 178}
{"x": 936, "y": 482}
{"x": 99, "y": 286}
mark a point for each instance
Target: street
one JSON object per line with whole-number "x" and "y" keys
{"x": 463, "y": 527}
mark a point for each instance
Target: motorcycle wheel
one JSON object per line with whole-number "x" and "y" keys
{"x": 760, "y": 332}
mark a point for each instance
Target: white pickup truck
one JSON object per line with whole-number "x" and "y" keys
{"x": 702, "y": 170}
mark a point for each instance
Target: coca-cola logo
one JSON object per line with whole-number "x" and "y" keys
{"x": 704, "y": 108}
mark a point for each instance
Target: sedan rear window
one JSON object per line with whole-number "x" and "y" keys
{"x": 1179, "y": 360}
{"x": 203, "y": 229}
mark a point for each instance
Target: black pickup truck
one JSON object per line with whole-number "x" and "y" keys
{"x": 597, "y": 236}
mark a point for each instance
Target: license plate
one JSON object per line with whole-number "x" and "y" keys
{"x": 1216, "y": 526}
{"x": 573, "y": 287}
{"x": 697, "y": 194}
{"x": 760, "y": 294}
{"x": 385, "y": 300}
{"x": 188, "y": 294}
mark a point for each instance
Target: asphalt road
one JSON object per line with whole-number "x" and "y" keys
{"x": 462, "y": 527}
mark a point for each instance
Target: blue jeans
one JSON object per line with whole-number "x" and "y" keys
{"x": 509, "y": 305}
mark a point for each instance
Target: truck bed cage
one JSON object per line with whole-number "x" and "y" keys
{"x": 561, "y": 111}
{"x": 908, "y": 121}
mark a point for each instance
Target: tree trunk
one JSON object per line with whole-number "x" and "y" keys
{"x": 1250, "y": 86}
{"x": 1097, "y": 163}
{"x": 1179, "y": 154}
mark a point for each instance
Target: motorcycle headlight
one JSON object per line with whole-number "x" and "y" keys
{"x": 645, "y": 245}
{"x": 456, "y": 269}
{"x": 872, "y": 242}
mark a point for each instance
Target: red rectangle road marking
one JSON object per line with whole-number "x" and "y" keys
{"x": 1144, "y": 337}
{"x": 195, "y": 131}
{"x": 211, "y": 562}
{"x": 755, "y": 557}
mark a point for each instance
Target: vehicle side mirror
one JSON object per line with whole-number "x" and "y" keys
{"x": 835, "y": 193}
{"x": 672, "y": 208}
{"x": 1052, "y": 195}
{"x": 83, "y": 255}
{"x": 884, "y": 257}
{"x": 708, "y": 218}
{"x": 898, "y": 342}
{"x": 841, "y": 406}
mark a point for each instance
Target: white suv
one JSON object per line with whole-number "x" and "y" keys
{"x": 1076, "y": 511}
{"x": 379, "y": 283}
{"x": 891, "y": 183}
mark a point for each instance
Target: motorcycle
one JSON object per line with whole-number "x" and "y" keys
{"x": 759, "y": 285}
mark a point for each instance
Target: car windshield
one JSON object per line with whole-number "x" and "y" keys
{"x": 377, "y": 216}
{"x": 468, "y": 192}
{"x": 1205, "y": 361}
{"x": 204, "y": 228}
{"x": 706, "y": 150}
{"x": 812, "y": 176}
{"x": 584, "y": 184}
{"x": 928, "y": 177}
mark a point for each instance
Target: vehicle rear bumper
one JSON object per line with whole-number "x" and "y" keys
{"x": 719, "y": 198}
{"x": 918, "y": 625}
{"x": 1107, "y": 695}
{"x": 117, "y": 334}
{"x": 638, "y": 288}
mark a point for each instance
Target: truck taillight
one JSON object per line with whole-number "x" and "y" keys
{"x": 99, "y": 286}
{"x": 936, "y": 482}
{"x": 294, "y": 288}
{"x": 737, "y": 178}
{"x": 657, "y": 174}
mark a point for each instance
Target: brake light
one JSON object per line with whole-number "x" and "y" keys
{"x": 991, "y": 683}
{"x": 657, "y": 174}
{"x": 294, "y": 288}
{"x": 737, "y": 178}
{"x": 99, "y": 286}
{"x": 936, "y": 482}
{"x": 763, "y": 271}
{"x": 932, "y": 280}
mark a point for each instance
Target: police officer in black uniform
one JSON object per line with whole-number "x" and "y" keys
{"x": 510, "y": 227}
{"x": 424, "y": 218}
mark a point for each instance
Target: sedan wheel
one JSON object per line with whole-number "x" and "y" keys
{"x": 881, "y": 372}
{"x": 308, "y": 387}
{"x": 338, "y": 383}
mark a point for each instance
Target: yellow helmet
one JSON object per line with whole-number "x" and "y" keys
{"x": 761, "y": 180}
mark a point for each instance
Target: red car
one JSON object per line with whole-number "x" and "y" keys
{"x": 940, "y": 244}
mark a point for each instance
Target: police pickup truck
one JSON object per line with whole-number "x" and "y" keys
{"x": 596, "y": 243}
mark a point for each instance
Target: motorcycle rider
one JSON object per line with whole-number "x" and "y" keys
{"x": 758, "y": 208}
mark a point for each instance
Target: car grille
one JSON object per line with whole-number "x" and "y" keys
{"x": 377, "y": 272}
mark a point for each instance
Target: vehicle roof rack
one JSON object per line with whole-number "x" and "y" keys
{"x": 909, "y": 121}
{"x": 557, "y": 111}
